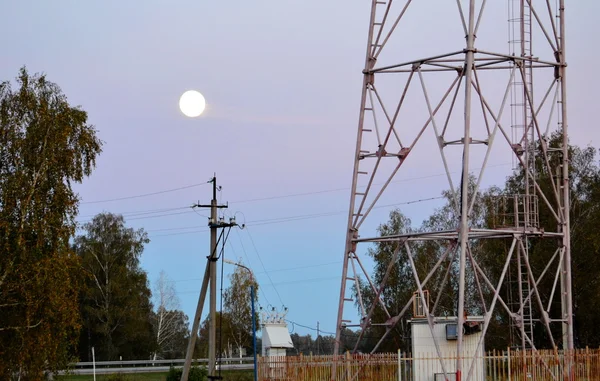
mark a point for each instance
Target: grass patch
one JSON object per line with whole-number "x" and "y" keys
{"x": 160, "y": 376}
{"x": 238, "y": 375}
{"x": 228, "y": 375}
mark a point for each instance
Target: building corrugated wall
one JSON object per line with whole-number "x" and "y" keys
{"x": 426, "y": 362}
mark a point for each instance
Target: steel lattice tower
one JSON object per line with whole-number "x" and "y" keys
{"x": 466, "y": 105}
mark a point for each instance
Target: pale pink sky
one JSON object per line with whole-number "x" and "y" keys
{"x": 282, "y": 84}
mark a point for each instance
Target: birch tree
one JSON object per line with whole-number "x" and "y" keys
{"x": 167, "y": 319}
{"x": 237, "y": 306}
{"x": 46, "y": 145}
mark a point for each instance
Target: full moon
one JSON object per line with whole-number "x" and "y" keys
{"x": 192, "y": 103}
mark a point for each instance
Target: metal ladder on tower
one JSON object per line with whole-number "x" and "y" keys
{"x": 520, "y": 298}
{"x": 526, "y": 298}
{"x": 529, "y": 206}
{"x": 358, "y": 197}
{"x": 522, "y": 129}
{"x": 520, "y": 34}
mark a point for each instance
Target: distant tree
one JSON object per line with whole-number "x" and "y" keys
{"x": 170, "y": 324}
{"x": 400, "y": 287}
{"x": 585, "y": 244}
{"x": 322, "y": 344}
{"x": 237, "y": 306}
{"x": 326, "y": 344}
{"x": 175, "y": 346}
{"x": 115, "y": 301}
{"x": 46, "y": 145}
{"x": 302, "y": 345}
{"x": 584, "y": 183}
{"x": 224, "y": 345}
{"x": 348, "y": 341}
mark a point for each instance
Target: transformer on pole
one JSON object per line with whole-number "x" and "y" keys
{"x": 460, "y": 102}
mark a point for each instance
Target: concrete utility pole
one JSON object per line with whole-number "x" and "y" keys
{"x": 210, "y": 275}
{"x": 212, "y": 261}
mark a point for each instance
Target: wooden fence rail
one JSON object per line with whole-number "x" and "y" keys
{"x": 508, "y": 365}
{"x": 381, "y": 367}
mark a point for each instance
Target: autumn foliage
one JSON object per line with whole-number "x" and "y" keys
{"x": 46, "y": 145}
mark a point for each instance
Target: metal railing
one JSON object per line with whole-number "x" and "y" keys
{"x": 151, "y": 366}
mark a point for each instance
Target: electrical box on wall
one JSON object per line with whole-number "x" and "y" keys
{"x": 451, "y": 331}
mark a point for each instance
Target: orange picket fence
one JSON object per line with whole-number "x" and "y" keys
{"x": 380, "y": 366}
{"x": 508, "y": 365}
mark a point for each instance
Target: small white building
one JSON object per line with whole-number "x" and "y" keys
{"x": 276, "y": 340}
{"x": 276, "y": 337}
{"x": 426, "y": 363}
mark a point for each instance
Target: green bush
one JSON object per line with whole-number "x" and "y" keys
{"x": 196, "y": 374}
{"x": 174, "y": 374}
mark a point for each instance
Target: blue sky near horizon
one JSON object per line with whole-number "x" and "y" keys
{"x": 282, "y": 83}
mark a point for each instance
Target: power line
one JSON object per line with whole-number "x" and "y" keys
{"x": 144, "y": 195}
{"x": 277, "y": 196}
{"x": 272, "y": 271}
{"x": 347, "y": 188}
{"x": 179, "y": 233}
{"x": 243, "y": 248}
{"x": 297, "y": 281}
{"x": 307, "y": 280}
{"x": 263, "y": 265}
{"x": 289, "y": 195}
{"x": 140, "y": 212}
{"x": 293, "y": 218}
{"x": 157, "y": 213}
{"x": 200, "y": 214}
{"x": 327, "y": 332}
{"x": 297, "y": 218}
{"x": 325, "y": 214}
{"x": 303, "y": 267}
{"x": 409, "y": 202}
{"x": 147, "y": 217}
{"x": 248, "y": 258}
{"x": 308, "y": 327}
{"x": 179, "y": 228}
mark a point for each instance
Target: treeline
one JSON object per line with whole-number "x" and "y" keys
{"x": 64, "y": 291}
{"x": 495, "y": 208}
{"x": 46, "y": 146}
{"x": 123, "y": 319}
{"x": 324, "y": 344}
{"x": 118, "y": 317}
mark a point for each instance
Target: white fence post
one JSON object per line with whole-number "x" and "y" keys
{"x": 94, "y": 362}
